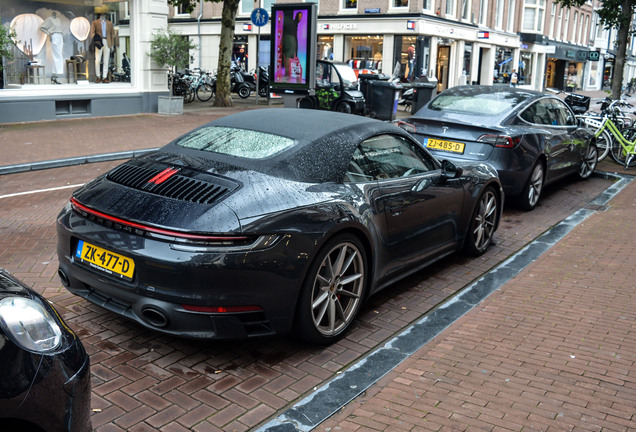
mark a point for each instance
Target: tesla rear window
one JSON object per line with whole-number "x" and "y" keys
{"x": 481, "y": 104}
{"x": 236, "y": 142}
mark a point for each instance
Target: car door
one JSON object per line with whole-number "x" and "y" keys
{"x": 544, "y": 114}
{"x": 419, "y": 206}
{"x": 574, "y": 144}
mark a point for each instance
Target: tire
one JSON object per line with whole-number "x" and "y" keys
{"x": 588, "y": 164}
{"x": 205, "y": 92}
{"x": 189, "y": 94}
{"x": 244, "y": 92}
{"x": 343, "y": 107}
{"x": 333, "y": 291}
{"x": 618, "y": 152}
{"x": 532, "y": 191}
{"x": 603, "y": 145}
{"x": 483, "y": 223}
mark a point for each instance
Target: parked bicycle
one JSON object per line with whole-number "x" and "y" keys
{"x": 622, "y": 147}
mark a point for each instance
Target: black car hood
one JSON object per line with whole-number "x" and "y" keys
{"x": 215, "y": 197}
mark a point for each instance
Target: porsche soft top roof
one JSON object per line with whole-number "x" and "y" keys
{"x": 324, "y": 142}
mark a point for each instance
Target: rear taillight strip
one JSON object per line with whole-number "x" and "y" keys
{"x": 177, "y": 234}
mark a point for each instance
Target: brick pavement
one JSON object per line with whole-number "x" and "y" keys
{"x": 143, "y": 381}
{"x": 553, "y": 349}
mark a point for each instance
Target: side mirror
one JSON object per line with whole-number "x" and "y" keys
{"x": 450, "y": 170}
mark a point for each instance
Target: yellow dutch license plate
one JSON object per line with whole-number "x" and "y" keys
{"x": 105, "y": 260}
{"x": 450, "y": 146}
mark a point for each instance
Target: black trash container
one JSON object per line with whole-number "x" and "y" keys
{"x": 423, "y": 92}
{"x": 384, "y": 100}
{"x": 365, "y": 87}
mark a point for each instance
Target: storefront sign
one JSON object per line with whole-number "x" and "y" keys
{"x": 371, "y": 10}
{"x": 582, "y": 55}
{"x": 340, "y": 26}
{"x": 570, "y": 53}
{"x": 483, "y": 35}
{"x": 247, "y": 27}
{"x": 594, "y": 56}
{"x": 410, "y": 25}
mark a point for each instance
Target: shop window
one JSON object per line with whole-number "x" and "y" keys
{"x": 411, "y": 57}
{"x": 525, "y": 68}
{"x": 503, "y": 66}
{"x": 54, "y": 44}
{"x": 365, "y": 53}
{"x": 325, "y": 47}
{"x": 468, "y": 55}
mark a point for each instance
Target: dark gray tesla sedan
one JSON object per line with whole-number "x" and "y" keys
{"x": 270, "y": 221}
{"x": 531, "y": 138}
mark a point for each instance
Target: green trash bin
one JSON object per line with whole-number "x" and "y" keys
{"x": 384, "y": 99}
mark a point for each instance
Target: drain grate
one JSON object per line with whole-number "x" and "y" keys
{"x": 597, "y": 207}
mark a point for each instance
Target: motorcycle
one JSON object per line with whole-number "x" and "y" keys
{"x": 263, "y": 81}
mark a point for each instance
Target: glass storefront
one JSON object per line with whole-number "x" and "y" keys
{"x": 325, "y": 47}
{"x": 503, "y": 66}
{"x": 54, "y": 43}
{"x": 239, "y": 51}
{"x": 412, "y": 54}
{"x": 468, "y": 56}
{"x": 364, "y": 53}
{"x": 525, "y": 68}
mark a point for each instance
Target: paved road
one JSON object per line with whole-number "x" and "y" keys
{"x": 509, "y": 355}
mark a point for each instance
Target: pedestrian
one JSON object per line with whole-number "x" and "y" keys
{"x": 513, "y": 78}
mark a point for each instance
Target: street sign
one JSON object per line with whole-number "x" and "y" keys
{"x": 259, "y": 17}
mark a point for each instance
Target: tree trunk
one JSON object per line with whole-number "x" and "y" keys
{"x": 223, "y": 91}
{"x": 621, "y": 48}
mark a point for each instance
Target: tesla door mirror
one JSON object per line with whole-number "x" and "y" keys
{"x": 450, "y": 170}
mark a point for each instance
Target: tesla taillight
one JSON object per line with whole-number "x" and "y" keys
{"x": 501, "y": 141}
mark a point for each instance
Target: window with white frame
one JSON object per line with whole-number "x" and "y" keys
{"x": 180, "y": 12}
{"x": 247, "y": 6}
{"x": 349, "y": 4}
{"x": 533, "y": 11}
{"x": 552, "y": 23}
{"x": 450, "y": 8}
{"x": 511, "y": 15}
{"x": 499, "y": 14}
{"x": 483, "y": 12}
{"x": 566, "y": 25}
{"x": 466, "y": 9}
{"x": 586, "y": 30}
{"x": 575, "y": 27}
{"x": 582, "y": 21}
{"x": 559, "y": 24}
{"x": 427, "y": 5}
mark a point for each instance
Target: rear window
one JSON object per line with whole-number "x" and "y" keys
{"x": 236, "y": 142}
{"x": 477, "y": 104}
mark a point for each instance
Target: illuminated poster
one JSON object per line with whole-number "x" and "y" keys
{"x": 293, "y": 54}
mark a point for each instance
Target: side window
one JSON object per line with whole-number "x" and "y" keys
{"x": 563, "y": 113}
{"x": 386, "y": 157}
{"x": 540, "y": 112}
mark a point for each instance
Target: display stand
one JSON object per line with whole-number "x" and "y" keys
{"x": 35, "y": 72}
{"x": 74, "y": 68}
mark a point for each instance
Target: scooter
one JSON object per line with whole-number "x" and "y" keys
{"x": 238, "y": 84}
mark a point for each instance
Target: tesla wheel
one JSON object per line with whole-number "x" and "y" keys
{"x": 343, "y": 107}
{"x": 244, "y": 92}
{"x": 483, "y": 223}
{"x": 531, "y": 193}
{"x": 205, "y": 92}
{"x": 333, "y": 291}
{"x": 588, "y": 164}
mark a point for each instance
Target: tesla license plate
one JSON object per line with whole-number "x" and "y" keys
{"x": 105, "y": 260}
{"x": 449, "y": 146}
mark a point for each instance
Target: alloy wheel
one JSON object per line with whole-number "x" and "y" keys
{"x": 337, "y": 289}
{"x": 484, "y": 221}
{"x": 588, "y": 165}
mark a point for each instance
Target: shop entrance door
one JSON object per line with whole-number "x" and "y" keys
{"x": 443, "y": 56}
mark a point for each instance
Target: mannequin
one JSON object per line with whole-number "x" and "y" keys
{"x": 52, "y": 26}
{"x": 103, "y": 43}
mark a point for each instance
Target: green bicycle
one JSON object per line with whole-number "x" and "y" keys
{"x": 622, "y": 148}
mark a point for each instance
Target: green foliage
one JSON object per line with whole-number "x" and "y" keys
{"x": 171, "y": 49}
{"x": 5, "y": 44}
{"x": 612, "y": 13}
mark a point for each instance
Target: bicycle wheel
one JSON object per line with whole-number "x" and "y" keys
{"x": 603, "y": 145}
{"x": 618, "y": 152}
{"x": 205, "y": 92}
{"x": 189, "y": 96}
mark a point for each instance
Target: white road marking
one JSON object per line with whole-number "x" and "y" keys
{"x": 75, "y": 186}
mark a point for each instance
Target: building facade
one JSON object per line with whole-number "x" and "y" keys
{"x": 450, "y": 42}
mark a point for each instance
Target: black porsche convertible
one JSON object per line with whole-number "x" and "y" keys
{"x": 270, "y": 221}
